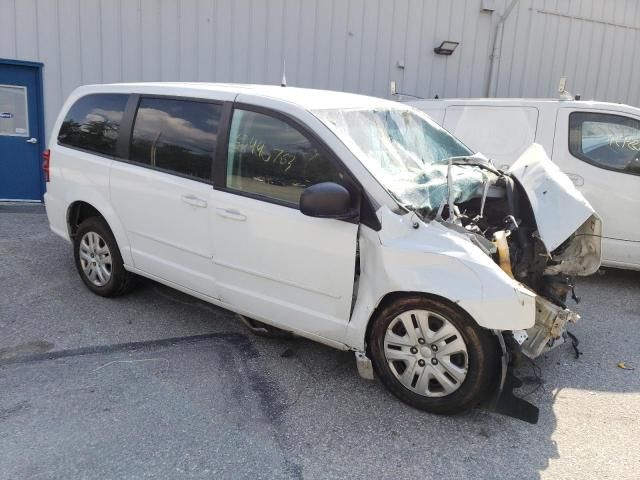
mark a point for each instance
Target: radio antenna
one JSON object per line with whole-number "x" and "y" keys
{"x": 283, "y": 83}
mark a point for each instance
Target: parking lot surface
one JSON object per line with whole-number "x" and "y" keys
{"x": 159, "y": 384}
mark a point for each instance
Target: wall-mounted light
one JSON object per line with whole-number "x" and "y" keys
{"x": 446, "y": 48}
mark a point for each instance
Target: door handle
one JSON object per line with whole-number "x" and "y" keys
{"x": 32, "y": 140}
{"x": 231, "y": 213}
{"x": 577, "y": 180}
{"x": 195, "y": 201}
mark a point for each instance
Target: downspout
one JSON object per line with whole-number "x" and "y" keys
{"x": 492, "y": 87}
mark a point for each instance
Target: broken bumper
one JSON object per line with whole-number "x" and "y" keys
{"x": 548, "y": 330}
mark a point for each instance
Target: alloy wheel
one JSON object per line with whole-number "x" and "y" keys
{"x": 95, "y": 259}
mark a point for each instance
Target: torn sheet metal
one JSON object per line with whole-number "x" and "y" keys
{"x": 559, "y": 208}
{"x": 582, "y": 254}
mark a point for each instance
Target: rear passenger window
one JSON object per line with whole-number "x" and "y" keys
{"x": 93, "y": 123}
{"x": 176, "y": 135}
{"x": 605, "y": 140}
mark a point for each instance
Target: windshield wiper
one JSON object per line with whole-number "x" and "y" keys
{"x": 401, "y": 203}
{"x": 473, "y": 161}
{"x": 449, "y": 200}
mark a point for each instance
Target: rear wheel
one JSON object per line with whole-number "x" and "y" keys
{"x": 98, "y": 259}
{"x": 432, "y": 355}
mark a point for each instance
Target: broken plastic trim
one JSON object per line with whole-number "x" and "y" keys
{"x": 510, "y": 405}
{"x": 550, "y": 325}
{"x": 365, "y": 366}
{"x": 503, "y": 401}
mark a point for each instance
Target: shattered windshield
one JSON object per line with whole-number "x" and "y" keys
{"x": 407, "y": 153}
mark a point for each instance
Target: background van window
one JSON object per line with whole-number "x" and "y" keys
{"x": 607, "y": 141}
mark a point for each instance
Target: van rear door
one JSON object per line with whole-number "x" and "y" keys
{"x": 161, "y": 190}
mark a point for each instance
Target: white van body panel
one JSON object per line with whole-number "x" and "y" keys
{"x": 495, "y": 127}
{"x": 181, "y": 253}
{"x": 82, "y": 177}
{"x": 476, "y": 126}
{"x": 614, "y": 195}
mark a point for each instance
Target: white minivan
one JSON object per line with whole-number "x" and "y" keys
{"x": 596, "y": 144}
{"x": 350, "y": 220}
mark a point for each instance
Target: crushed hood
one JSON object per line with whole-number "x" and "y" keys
{"x": 559, "y": 208}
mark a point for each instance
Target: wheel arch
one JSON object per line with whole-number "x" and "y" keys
{"x": 78, "y": 212}
{"x": 391, "y": 297}
{"x": 488, "y": 355}
{"x": 473, "y": 284}
{"x": 80, "y": 209}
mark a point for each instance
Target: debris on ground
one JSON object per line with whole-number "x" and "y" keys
{"x": 624, "y": 366}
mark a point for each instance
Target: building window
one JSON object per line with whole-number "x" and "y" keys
{"x": 14, "y": 115}
{"x": 606, "y": 141}
{"x": 176, "y": 135}
{"x": 270, "y": 158}
{"x": 93, "y": 123}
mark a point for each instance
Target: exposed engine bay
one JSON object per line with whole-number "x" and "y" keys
{"x": 500, "y": 218}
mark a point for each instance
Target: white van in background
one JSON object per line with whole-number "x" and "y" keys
{"x": 596, "y": 144}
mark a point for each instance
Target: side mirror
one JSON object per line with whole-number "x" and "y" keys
{"x": 327, "y": 200}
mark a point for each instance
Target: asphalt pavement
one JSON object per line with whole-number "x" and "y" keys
{"x": 157, "y": 384}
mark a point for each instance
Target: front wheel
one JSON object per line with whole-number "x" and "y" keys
{"x": 432, "y": 355}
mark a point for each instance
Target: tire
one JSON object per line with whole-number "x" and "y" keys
{"x": 94, "y": 242}
{"x": 471, "y": 366}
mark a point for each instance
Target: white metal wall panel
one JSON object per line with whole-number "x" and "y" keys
{"x": 70, "y": 45}
{"x": 90, "y": 37}
{"x": 351, "y": 45}
{"x": 50, "y": 53}
{"x": 594, "y": 43}
{"x": 150, "y": 37}
{"x": 26, "y": 28}
{"x": 7, "y": 29}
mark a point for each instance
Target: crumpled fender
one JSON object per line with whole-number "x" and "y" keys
{"x": 437, "y": 261}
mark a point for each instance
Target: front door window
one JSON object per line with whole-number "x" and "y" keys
{"x": 270, "y": 158}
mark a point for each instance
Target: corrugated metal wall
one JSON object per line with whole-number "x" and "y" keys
{"x": 595, "y": 43}
{"x": 352, "y": 45}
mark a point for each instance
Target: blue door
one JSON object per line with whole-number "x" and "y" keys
{"x": 20, "y": 131}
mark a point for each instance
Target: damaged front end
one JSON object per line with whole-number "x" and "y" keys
{"x": 529, "y": 220}
{"x": 543, "y": 233}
